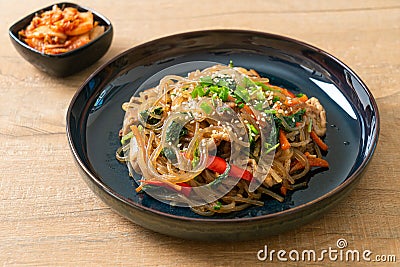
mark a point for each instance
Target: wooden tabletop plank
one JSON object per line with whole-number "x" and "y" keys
{"x": 49, "y": 217}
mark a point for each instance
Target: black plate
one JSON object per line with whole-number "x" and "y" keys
{"x": 95, "y": 117}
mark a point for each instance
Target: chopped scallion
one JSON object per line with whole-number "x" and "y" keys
{"x": 126, "y": 137}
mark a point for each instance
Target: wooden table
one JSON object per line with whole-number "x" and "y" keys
{"x": 48, "y": 216}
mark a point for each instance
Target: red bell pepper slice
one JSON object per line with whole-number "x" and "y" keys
{"x": 219, "y": 165}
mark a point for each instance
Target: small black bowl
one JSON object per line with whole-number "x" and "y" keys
{"x": 68, "y": 63}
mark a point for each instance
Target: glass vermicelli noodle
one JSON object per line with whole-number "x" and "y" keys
{"x": 220, "y": 139}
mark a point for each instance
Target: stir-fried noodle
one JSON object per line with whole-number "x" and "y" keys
{"x": 220, "y": 138}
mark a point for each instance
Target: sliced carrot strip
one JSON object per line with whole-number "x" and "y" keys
{"x": 303, "y": 98}
{"x": 283, "y": 140}
{"x": 283, "y": 190}
{"x": 318, "y": 141}
{"x": 318, "y": 162}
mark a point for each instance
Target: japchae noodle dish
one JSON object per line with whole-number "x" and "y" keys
{"x": 220, "y": 139}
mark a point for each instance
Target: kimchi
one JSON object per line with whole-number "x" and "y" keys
{"x": 59, "y": 30}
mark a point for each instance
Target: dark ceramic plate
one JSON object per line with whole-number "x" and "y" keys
{"x": 68, "y": 63}
{"x": 95, "y": 117}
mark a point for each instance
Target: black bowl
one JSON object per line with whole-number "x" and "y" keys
{"x": 68, "y": 63}
{"x": 95, "y": 117}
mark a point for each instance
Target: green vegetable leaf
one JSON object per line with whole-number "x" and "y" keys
{"x": 271, "y": 148}
{"x": 206, "y": 107}
{"x": 126, "y": 137}
{"x": 196, "y": 156}
{"x": 242, "y": 93}
{"x": 222, "y": 83}
{"x": 270, "y": 111}
{"x": 175, "y": 131}
{"x": 252, "y": 128}
{"x": 309, "y": 128}
{"x": 146, "y": 117}
{"x": 259, "y": 106}
{"x": 222, "y": 176}
{"x": 217, "y": 205}
{"x": 260, "y": 95}
{"x": 169, "y": 154}
{"x": 224, "y": 93}
{"x": 275, "y": 99}
{"x": 198, "y": 91}
{"x": 291, "y": 119}
{"x": 158, "y": 111}
{"x": 265, "y": 87}
{"x": 206, "y": 80}
{"x": 248, "y": 82}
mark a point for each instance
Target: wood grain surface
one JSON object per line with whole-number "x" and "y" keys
{"x": 49, "y": 217}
